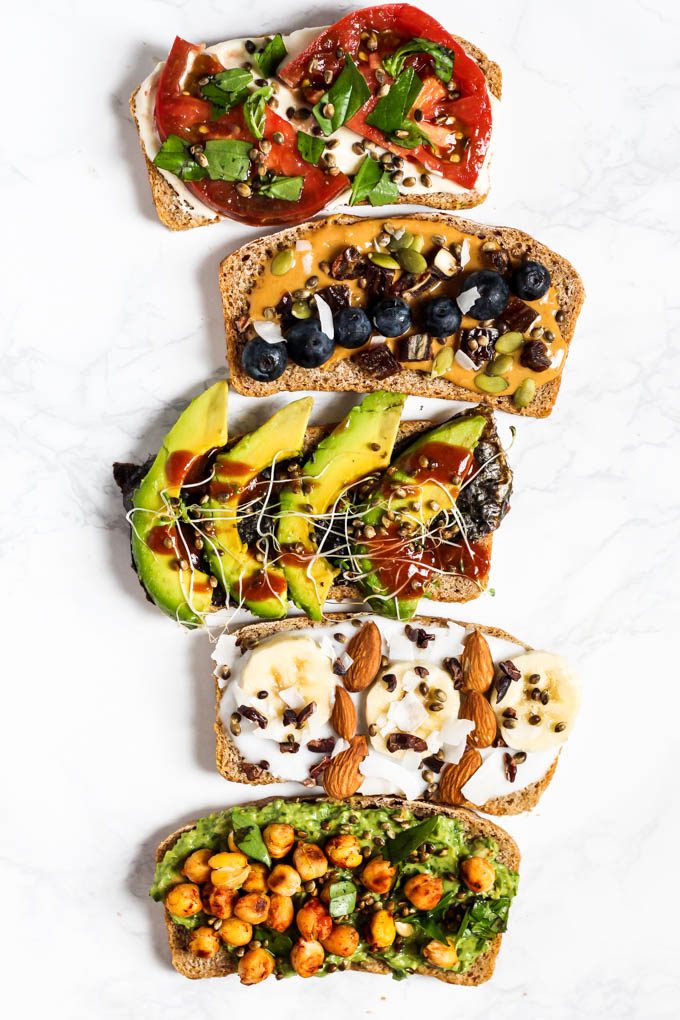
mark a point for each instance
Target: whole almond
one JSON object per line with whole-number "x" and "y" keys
{"x": 341, "y": 777}
{"x": 365, "y": 650}
{"x": 476, "y": 663}
{"x": 454, "y": 777}
{"x": 344, "y": 714}
{"x": 478, "y": 710}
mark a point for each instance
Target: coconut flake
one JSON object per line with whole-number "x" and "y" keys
{"x": 379, "y": 766}
{"x": 408, "y": 714}
{"x": 303, "y": 245}
{"x": 292, "y": 697}
{"x": 270, "y": 332}
{"x": 464, "y": 253}
{"x": 325, "y": 316}
{"x": 464, "y": 361}
{"x": 466, "y": 300}
{"x": 308, "y": 261}
{"x": 326, "y": 646}
{"x": 345, "y": 661}
{"x": 454, "y": 738}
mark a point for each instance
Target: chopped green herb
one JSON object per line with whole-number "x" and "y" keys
{"x": 248, "y": 837}
{"x": 391, "y": 111}
{"x": 275, "y": 942}
{"x": 399, "y": 848}
{"x": 347, "y": 94}
{"x": 310, "y": 147}
{"x": 254, "y": 110}
{"x": 487, "y": 918}
{"x": 174, "y": 156}
{"x": 431, "y": 920}
{"x": 374, "y": 183}
{"x": 227, "y": 159}
{"x": 442, "y": 58}
{"x": 286, "y": 188}
{"x": 343, "y": 898}
{"x": 271, "y": 56}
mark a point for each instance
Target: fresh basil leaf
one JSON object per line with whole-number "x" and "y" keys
{"x": 227, "y": 90}
{"x": 271, "y": 56}
{"x": 413, "y": 137}
{"x": 248, "y": 837}
{"x": 286, "y": 188}
{"x": 390, "y": 112}
{"x": 347, "y": 94}
{"x": 174, "y": 156}
{"x": 431, "y": 920}
{"x": 442, "y": 58}
{"x": 385, "y": 191}
{"x": 487, "y": 918}
{"x": 365, "y": 179}
{"x": 228, "y": 159}
{"x": 399, "y": 848}
{"x": 343, "y": 898}
{"x": 254, "y": 110}
{"x": 234, "y": 79}
{"x": 310, "y": 147}
{"x": 276, "y": 942}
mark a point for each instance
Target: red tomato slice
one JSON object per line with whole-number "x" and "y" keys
{"x": 397, "y": 23}
{"x": 181, "y": 111}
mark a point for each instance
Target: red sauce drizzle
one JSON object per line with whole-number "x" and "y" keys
{"x": 262, "y": 585}
{"x": 444, "y": 463}
{"x": 182, "y": 547}
{"x": 290, "y": 558}
{"x": 178, "y": 464}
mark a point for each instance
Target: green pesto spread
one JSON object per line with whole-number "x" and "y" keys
{"x": 473, "y": 921}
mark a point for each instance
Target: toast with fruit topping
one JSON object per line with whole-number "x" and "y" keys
{"x": 459, "y": 713}
{"x": 313, "y": 886}
{"x": 427, "y": 304}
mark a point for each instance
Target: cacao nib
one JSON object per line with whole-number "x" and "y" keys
{"x": 502, "y": 687}
{"x": 390, "y": 682}
{"x": 510, "y": 668}
{"x": 479, "y": 343}
{"x": 378, "y": 361}
{"x": 284, "y": 309}
{"x": 404, "y": 742}
{"x": 434, "y": 764}
{"x": 322, "y": 746}
{"x": 305, "y": 713}
{"x": 509, "y": 713}
{"x": 498, "y": 741}
{"x": 423, "y": 639}
{"x": 510, "y": 768}
{"x": 317, "y": 769}
{"x": 252, "y": 771}
{"x": 289, "y": 747}
{"x": 338, "y": 668}
{"x": 417, "y": 347}
{"x": 336, "y": 296}
{"x": 497, "y": 259}
{"x": 534, "y": 355}
{"x": 289, "y": 717}
{"x": 253, "y": 715}
{"x": 518, "y": 316}
{"x": 453, "y": 668}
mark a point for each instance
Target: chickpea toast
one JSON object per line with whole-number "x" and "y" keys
{"x": 310, "y": 886}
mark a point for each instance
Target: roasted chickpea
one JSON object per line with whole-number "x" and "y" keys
{"x": 342, "y": 941}
{"x": 257, "y": 878}
{"x": 344, "y": 851}
{"x": 231, "y": 843}
{"x": 380, "y": 931}
{"x": 478, "y": 874}
{"x": 439, "y": 954}
{"x": 253, "y": 908}
{"x": 229, "y": 869}
{"x": 278, "y": 839}
{"x": 235, "y": 931}
{"x": 184, "y": 900}
{"x": 284, "y": 880}
{"x": 254, "y": 966}
{"x": 281, "y": 912}
{"x": 306, "y": 957}
{"x": 424, "y": 891}
{"x": 313, "y": 921}
{"x": 310, "y": 861}
{"x": 196, "y": 867}
{"x": 204, "y": 943}
{"x": 218, "y": 900}
{"x": 378, "y": 875}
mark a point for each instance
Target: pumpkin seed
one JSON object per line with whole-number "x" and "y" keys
{"x": 509, "y": 342}
{"x": 524, "y": 393}
{"x": 412, "y": 261}
{"x": 382, "y": 260}
{"x": 443, "y": 361}
{"x": 400, "y": 243}
{"x": 491, "y": 383}
{"x": 283, "y": 262}
{"x": 301, "y": 310}
{"x": 500, "y": 365}
{"x": 418, "y": 242}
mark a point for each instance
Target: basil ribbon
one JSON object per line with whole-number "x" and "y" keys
{"x": 227, "y": 89}
{"x": 343, "y": 898}
{"x": 271, "y": 56}
{"x": 442, "y": 58}
{"x": 401, "y": 846}
{"x": 254, "y": 110}
{"x": 373, "y": 183}
{"x": 310, "y": 147}
{"x": 228, "y": 159}
{"x": 174, "y": 156}
{"x": 288, "y": 189}
{"x": 347, "y": 94}
{"x": 248, "y": 837}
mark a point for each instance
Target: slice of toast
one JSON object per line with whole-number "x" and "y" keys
{"x": 176, "y": 213}
{"x": 230, "y": 762}
{"x": 474, "y": 827}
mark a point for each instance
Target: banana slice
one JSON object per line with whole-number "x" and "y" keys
{"x": 294, "y": 672}
{"x": 408, "y": 707}
{"x": 545, "y": 700}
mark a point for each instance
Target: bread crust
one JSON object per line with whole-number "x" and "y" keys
{"x": 473, "y": 827}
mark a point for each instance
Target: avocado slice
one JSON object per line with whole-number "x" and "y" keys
{"x": 161, "y": 534}
{"x": 261, "y": 590}
{"x": 359, "y": 445}
{"x": 414, "y": 491}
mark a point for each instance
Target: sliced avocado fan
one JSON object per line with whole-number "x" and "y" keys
{"x": 161, "y": 549}
{"x": 358, "y": 446}
{"x": 259, "y": 587}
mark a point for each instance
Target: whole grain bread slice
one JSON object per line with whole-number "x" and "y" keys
{"x": 176, "y": 214}
{"x": 474, "y": 827}
{"x": 239, "y": 273}
{"x": 232, "y": 765}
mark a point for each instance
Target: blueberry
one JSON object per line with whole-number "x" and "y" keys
{"x": 530, "y": 281}
{"x": 307, "y": 345}
{"x": 493, "y": 295}
{"x": 352, "y": 327}
{"x": 441, "y": 317}
{"x": 391, "y": 316}
{"x": 262, "y": 361}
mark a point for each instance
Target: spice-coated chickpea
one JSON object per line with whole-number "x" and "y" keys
{"x": 281, "y": 912}
{"x": 378, "y": 875}
{"x": 235, "y": 931}
{"x": 313, "y": 920}
{"x": 310, "y": 861}
{"x": 257, "y": 878}
{"x": 439, "y": 954}
{"x": 254, "y": 966}
{"x": 279, "y": 839}
{"x": 284, "y": 880}
{"x": 253, "y": 908}
{"x": 204, "y": 943}
{"x": 184, "y": 900}
{"x": 196, "y": 867}
{"x": 230, "y": 869}
{"x": 342, "y": 941}
{"x": 306, "y": 957}
{"x": 380, "y": 931}
{"x": 219, "y": 901}
{"x": 478, "y": 874}
{"x": 344, "y": 851}
{"x": 424, "y": 891}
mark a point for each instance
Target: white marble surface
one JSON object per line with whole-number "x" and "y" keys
{"x": 109, "y": 325}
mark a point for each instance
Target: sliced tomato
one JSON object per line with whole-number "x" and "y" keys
{"x": 181, "y": 111}
{"x": 396, "y": 24}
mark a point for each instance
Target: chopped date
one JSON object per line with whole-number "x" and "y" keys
{"x": 253, "y": 715}
{"x": 479, "y": 343}
{"x": 405, "y": 742}
{"x": 348, "y": 265}
{"x": 284, "y": 309}
{"x": 336, "y": 296}
{"x": 378, "y": 361}
{"x": 535, "y": 356}
{"x": 509, "y": 767}
{"x": 305, "y": 713}
{"x": 497, "y": 259}
{"x": 518, "y": 316}
{"x": 322, "y": 746}
{"x": 417, "y": 347}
